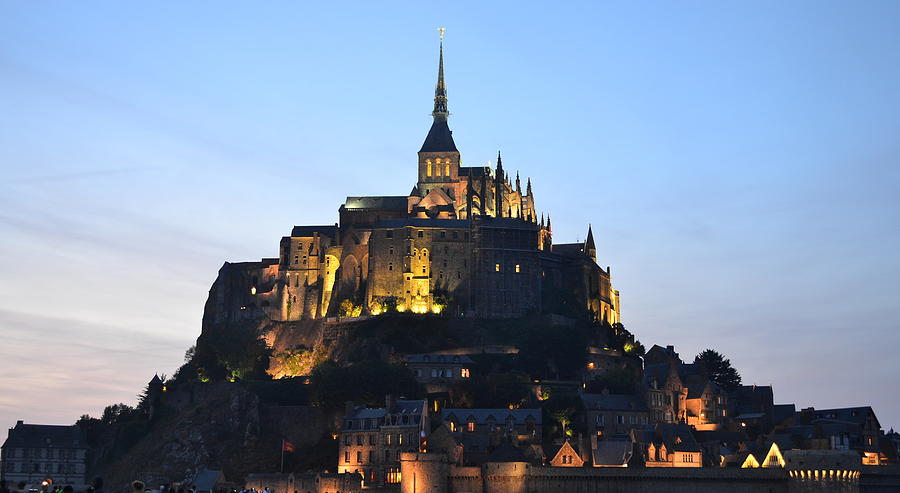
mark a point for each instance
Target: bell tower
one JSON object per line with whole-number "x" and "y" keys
{"x": 438, "y": 158}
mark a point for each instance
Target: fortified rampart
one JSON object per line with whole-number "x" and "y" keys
{"x": 424, "y": 472}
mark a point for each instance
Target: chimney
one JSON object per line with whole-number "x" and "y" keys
{"x": 389, "y": 402}
{"x": 348, "y": 408}
{"x": 20, "y": 422}
{"x": 670, "y": 349}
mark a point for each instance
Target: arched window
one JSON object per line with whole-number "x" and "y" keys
{"x": 447, "y": 168}
{"x": 428, "y": 166}
{"x": 437, "y": 167}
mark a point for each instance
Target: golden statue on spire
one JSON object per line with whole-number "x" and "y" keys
{"x": 441, "y": 30}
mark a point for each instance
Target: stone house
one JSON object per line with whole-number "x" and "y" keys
{"x": 36, "y": 453}
{"x": 667, "y": 445}
{"x": 371, "y": 440}
{"x": 609, "y": 415}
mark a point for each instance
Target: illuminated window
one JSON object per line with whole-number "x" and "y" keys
{"x": 428, "y": 165}
{"x": 393, "y": 475}
{"x": 387, "y": 439}
{"x": 497, "y": 267}
{"x": 347, "y": 456}
{"x": 447, "y": 169}
{"x": 252, "y": 289}
{"x": 518, "y": 269}
{"x": 452, "y": 426}
{"x": 471, "y": 426}
{"x": 464, "y": 372}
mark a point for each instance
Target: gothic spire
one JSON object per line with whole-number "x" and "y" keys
{"x": 518, "y": 184}
{"x": 528, "y": 187}
{"x": 440, "y": 90}
{"x": 589, "y": 248}
{"x": 440, "y": 138}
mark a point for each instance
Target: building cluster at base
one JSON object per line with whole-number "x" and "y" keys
{"x": 466, "y": 240}
{"x": 676, "y": 417}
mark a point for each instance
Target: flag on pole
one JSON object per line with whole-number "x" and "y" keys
{"x": 287, "y": 446}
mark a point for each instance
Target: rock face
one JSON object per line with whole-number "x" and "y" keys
{"x": 223, "y": 426}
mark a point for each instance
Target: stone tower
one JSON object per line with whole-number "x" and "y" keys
{"x": 438, "y": 158}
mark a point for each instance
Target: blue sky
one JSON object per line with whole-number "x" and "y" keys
{"x": 739, "y": 163}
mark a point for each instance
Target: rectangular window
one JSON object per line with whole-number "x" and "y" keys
{"x": 497, "y": 267}
{"x": 399, "y": 439}
{"x": 371, "y": 439}
{"x": 464, "y": 372}
{"x": 347, "y": 456}
{"x": 471, "y": 426}
{"x": 371, "y": 456}
{"x": 359, "y": 439}
{"x": 359, "y": 457}
{"x": 443, "y": 234}
{"x": 421, "y": 234}
{"x": 620, "y": 419}
{"x": 392, "y": 476}
{"x": 389, "y": 233}
{"x": 387, "y": 439}
{"x": 347, "y": 440}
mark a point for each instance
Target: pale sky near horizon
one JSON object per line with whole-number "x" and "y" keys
{"x": 739, "y": 163}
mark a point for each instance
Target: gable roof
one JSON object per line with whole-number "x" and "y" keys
{"x": 856, "y": 415}
{"x": 615, "y": 402}
{"x": 500, "y": 416}
{"x": 612, "y": 453}
{"x": 506, "y": 452}
{"x": 565, "y": 447}
{"x": 56, "y": 436}
{"x": 438, "y": 358}
{"x": 310, "y": 231}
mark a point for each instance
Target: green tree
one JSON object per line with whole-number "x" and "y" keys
{"x": 365, "y": 382}
{"x": 719, "y": 369}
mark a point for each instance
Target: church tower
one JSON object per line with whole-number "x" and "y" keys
{"x": 438, "y": 158}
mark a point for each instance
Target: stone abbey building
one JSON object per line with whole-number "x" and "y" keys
{"x": 466, "y": 239}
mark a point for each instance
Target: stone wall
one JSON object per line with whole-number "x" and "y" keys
{"x": 431, "y": 473}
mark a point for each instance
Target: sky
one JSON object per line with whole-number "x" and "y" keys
{"x": 738, "y": 161}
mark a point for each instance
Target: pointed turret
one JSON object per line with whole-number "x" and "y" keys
{"x": 518, "y": 184}
{"x": 589, "y": 248}
{"x": 498, "y": 188}
{"x": 542, "y": 220}
{"x": 528, "y": 187}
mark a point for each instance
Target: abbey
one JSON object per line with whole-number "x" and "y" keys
{"x": 466, "y": 240}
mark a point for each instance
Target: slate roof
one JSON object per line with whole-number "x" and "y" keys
{"x": 206, "y": 480}
{"x": 474, "y": 171}
{"x": 439, "y": 138}
{"x": 31, "y": 435}
{"x": 377, "y": 202}
{"x": 668, "y": 434}
{"x": 612, "y": 453}
{"x": 506, "y": 452}
{"x": 310, "y": 231}
{"x": 439, "y": 358}
{"x": 500, "y": 415}
{"x": 506, "y": 223}
{"x": 856, "y": 415}
{"x": 424, "y": 223}
{"x": 613, "y": 402}
{"x": 782, "y": 412}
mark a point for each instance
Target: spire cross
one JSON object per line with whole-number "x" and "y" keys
{"x": 441, "y": 30}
